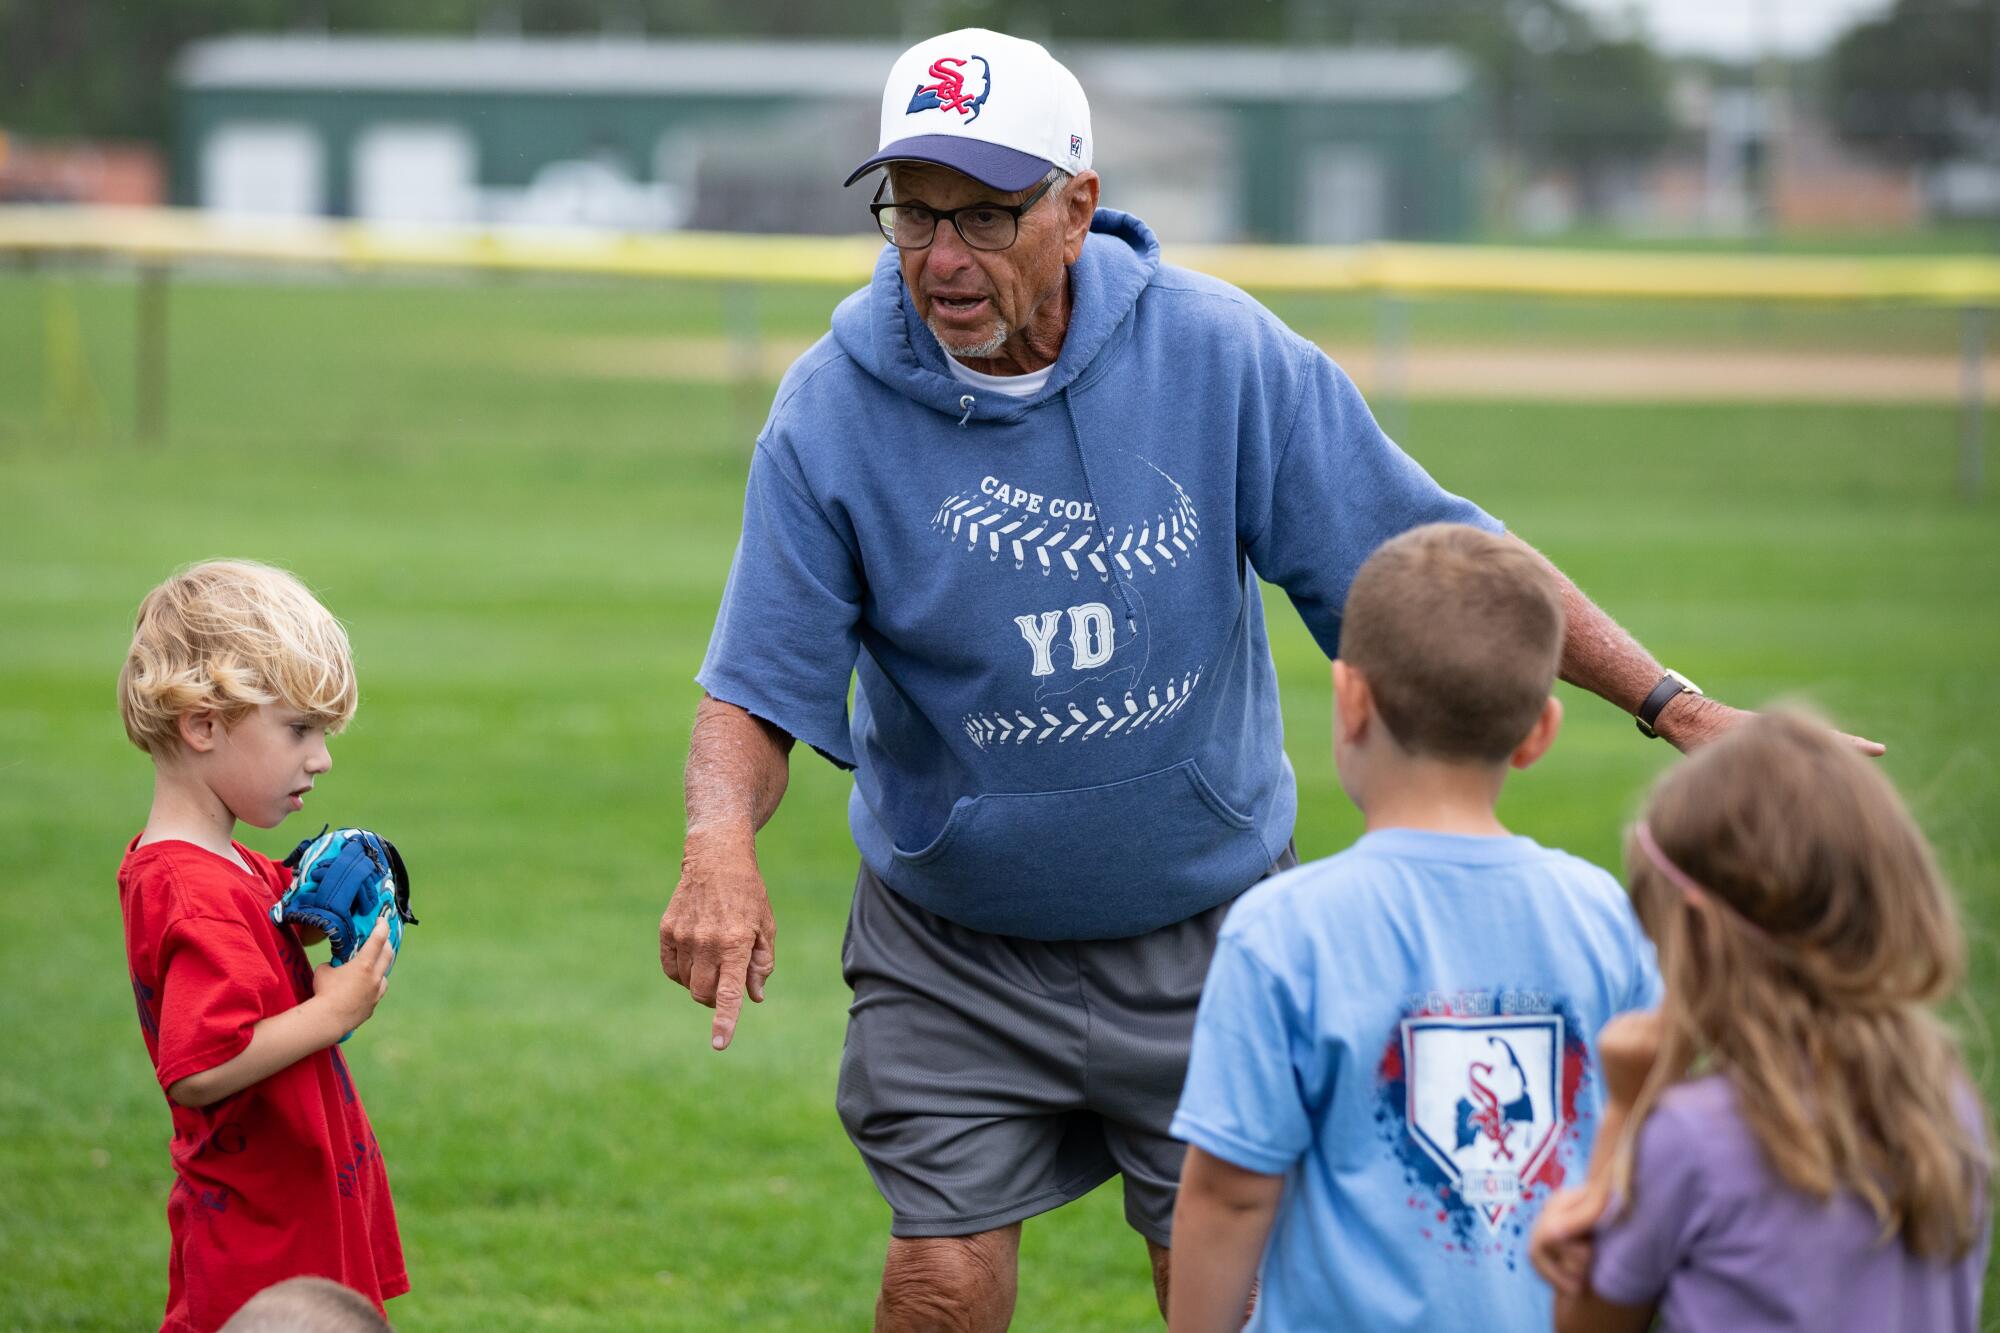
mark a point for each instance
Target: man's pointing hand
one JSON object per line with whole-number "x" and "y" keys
{"x": 717, "y": 936}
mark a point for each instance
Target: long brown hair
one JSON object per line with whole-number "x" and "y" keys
{"x": 1803, "y": 968}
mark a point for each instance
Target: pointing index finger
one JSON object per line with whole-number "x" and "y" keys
{"x": 729, "y": 995}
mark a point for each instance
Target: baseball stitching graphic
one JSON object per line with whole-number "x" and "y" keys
{"x": 998, "y": 728}
{"x": 1066, "y": 537}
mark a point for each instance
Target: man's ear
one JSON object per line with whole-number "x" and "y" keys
{"x": 1353, "y": 703}
{"x": 1541, "y": 736}
{"x": 201, "y": 730}
{"x": 1079, "y": 207}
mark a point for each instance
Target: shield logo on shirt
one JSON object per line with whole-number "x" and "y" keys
{"x": 1484, "y": 1101}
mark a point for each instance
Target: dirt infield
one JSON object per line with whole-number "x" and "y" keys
{"x": 1428, "y": 370}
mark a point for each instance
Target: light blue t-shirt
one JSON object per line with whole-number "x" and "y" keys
{"x": 1406, "y": 1032}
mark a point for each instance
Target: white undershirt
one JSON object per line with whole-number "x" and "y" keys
{"x": 1014, "y": 386}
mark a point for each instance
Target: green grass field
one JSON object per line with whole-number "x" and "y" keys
{"x": 528, "y": 559}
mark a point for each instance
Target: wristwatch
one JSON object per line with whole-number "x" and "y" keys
{"x": 1671, "y": 687}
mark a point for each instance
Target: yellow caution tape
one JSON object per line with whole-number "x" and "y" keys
{"x": 167, "y": 236}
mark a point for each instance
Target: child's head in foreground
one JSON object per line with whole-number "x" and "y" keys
{"x": 1804, "y": 932}
{"x": 1449, "y": 645}
{"x": 235, "y": 677}
{"x": 307, "y": 1305}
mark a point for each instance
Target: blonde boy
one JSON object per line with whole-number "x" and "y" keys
{"x": 1390, "y": 1070}
{"x": 307, "y": 1305}
{"x": 235, "y": 678}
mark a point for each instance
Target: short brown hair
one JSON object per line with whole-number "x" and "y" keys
{"x": 1459, "y": 633}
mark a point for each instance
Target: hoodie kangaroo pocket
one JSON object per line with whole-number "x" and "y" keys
{"x": 1088, "y": 862}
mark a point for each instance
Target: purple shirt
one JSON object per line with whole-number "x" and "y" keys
{"x": 1723, "y": 1245}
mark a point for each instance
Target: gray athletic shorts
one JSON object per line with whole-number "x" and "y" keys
{"x": 987, "y": 1079}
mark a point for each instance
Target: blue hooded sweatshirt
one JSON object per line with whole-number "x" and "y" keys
{"x": 1066, "y": 723}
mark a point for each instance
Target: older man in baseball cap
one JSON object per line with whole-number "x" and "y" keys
{"x": 1024, "y": 491}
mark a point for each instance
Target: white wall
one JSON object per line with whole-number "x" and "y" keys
{"x": 263, "y": 168}
{"x": 415, "y": 173}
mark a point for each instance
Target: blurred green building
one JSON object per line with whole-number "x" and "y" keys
{"x": 1322, "y": 144}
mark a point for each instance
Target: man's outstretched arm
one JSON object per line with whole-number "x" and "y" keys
{"x": 717, "y": 936}
{"x": 1599, "y": 656}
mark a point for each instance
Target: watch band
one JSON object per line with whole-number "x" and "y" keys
{"x": 1671, "y": 687}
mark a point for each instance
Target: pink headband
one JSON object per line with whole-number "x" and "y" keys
{"x": 1690, "y": 889}
{"x": 1680, "y": 879}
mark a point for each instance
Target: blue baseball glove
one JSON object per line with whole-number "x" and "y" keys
{"x": 344, "y": 880}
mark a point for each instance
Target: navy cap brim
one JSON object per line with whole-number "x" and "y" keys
{"x": 1005, "y": 169}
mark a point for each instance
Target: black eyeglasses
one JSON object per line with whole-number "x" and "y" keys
{"x": 981, "y": 226}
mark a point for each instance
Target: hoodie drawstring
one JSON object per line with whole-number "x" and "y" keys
{"x": 1076, "y": 439}
{"x": 966, "y": 401}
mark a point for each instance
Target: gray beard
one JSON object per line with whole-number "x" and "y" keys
{"x": 978, "y": 351}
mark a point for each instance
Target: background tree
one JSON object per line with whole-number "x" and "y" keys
{"x": 1919, "y": 83}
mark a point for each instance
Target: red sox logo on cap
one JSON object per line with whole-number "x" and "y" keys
{"x": 948, "y": 92}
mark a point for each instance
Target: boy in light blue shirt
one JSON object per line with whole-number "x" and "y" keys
{"x": 1394, "y": 1064}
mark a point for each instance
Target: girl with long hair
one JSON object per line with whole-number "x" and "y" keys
{"x": 1799, "y": 1146}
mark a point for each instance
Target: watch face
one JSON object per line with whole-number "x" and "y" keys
{"x": 1691, "y": 687}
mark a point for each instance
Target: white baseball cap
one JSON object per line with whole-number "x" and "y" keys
{"x": 998, "y": 108}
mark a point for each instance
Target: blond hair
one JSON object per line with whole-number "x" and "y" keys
{"x": 307, "y": 1305}
{"x": 1458, "y": 633}
{"x": 1804, "y": 933}
{"x": 229, "y": 635}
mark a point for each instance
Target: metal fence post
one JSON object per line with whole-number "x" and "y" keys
{"x": 1392, "y": 368}
{"x": 1972, "y": 402}
{"x": 746, "y": 353}
{"x": 150, "y": 372}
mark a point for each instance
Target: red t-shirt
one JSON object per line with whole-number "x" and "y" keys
{"x": 283, "y": 1179}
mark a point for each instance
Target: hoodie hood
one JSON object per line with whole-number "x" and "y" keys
{"x": 878, "y": 325}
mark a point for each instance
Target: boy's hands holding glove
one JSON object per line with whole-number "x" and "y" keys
{"x": 343, "y": 882}
{"x": 351, "y": 886}
{"x": 351, "y": 993}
